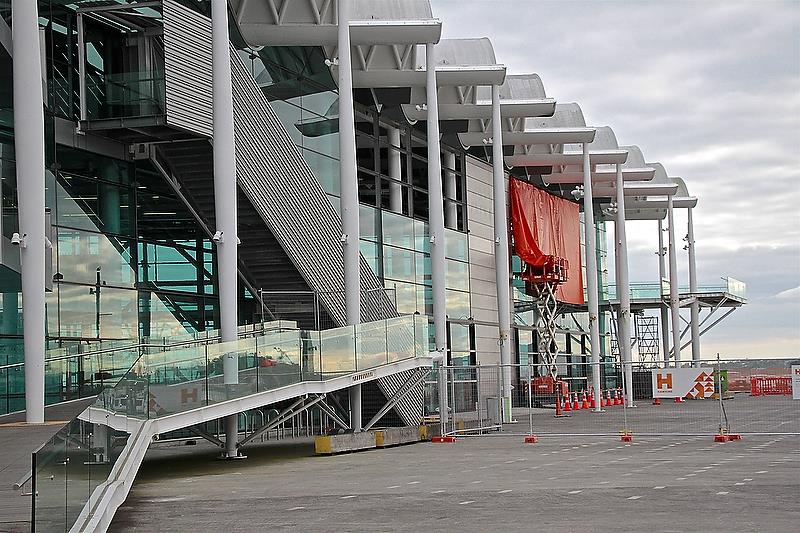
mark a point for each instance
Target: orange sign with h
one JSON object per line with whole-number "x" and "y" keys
{"x": 664, "y": 381}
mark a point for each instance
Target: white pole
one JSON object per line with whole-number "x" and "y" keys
{"x": 591, "y": 270}
{"x": 450, "y": 208}
{"x": 349, "y": 191}
{"x": 673, "y": 284}
{"x": 623, "y": 291}
{"x": 662, "y": 273}
{"x": 347, "y": 170}
{"x": 436, "y": 204}
{"x": 436, "y": 218}
{"x": 225, "y": 209}
{"x": 695, "y": 308}
{"x": 395, "y": 171}
{"x": 354, "y": 394}
{"x": 501, "y": 259}
{"x": 29, "y": 144}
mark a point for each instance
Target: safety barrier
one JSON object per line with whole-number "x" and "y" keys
{"x": 770, "y": 386}
{"x": 702, "y": 398}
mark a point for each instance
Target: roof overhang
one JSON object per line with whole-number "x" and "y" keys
{"x": 596, "y": 157}
{"x": 602, "y": 176}
{"x": 639, "y": 189}
{"x": 531, "y": 137}
{"x": 445, "y": 76}
{"x": 677, "y": 203}
{"x": 364, "y": 32}
{"x": 508, "y": 109}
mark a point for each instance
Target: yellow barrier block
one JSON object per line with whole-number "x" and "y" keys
{"x": 461, "y": 425}
{"x": 380, "y": 437}
{"x": 322, "y": 445}
{"x": 423, "y": 433}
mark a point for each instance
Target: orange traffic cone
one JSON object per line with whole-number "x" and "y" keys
{"x": 617, "y": 398}
{"x": 567, "y": 406}
{"x": 592, "y": 401}
{"x": 584, "y": 400}
{"x": 656, "y": 401}
{"x": 576, "y": 406}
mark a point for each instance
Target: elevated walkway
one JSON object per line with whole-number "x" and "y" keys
{"x": 85, "y": 471}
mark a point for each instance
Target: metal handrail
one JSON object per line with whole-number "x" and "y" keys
{"x": 140, "y": 346}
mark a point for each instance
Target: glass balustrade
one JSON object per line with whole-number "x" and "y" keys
{"x": 73, "y": 463}
{"x": 646, "y": 290}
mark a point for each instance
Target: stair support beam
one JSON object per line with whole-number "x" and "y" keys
{"x": 412, "y": 381}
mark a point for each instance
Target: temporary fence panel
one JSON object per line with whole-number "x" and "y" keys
{"x": 756, "y": 398}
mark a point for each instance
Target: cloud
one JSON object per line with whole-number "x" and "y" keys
{"x": 711, "y": 90}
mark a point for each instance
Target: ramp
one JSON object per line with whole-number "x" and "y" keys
{"x": 84, "y": 473}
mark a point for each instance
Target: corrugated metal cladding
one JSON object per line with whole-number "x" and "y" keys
{"x": 187, "y": 69}
{"x": 282, "y": 187}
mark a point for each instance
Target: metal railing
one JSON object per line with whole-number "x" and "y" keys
{"x": 81, "y": 456}
{"x": 652, "y": 290}
{"x": 567, "y": 406}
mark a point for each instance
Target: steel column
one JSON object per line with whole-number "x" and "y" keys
{"x": 662, "y": 273}
{"x": 225, "y": 208}
{"x": 395, "y": 171}
{"x": 695, "y": 306}
{"x": 349, "y": 188}
{"x": 591, "y": 269}
{"x": 673, "y": 283}
{"x": 436, "y": 204}
{"x": 354, "y": 394}
{"x": 29, "y": 146}
{"x": 623, "y": 291}
{"x": 501, "y": 254}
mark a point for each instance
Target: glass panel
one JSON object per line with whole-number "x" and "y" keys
{"x": 397, "y": 230}
{"x": 368, "y": 219}
{"x": 455, "y": 245}
{"x": 370, "y": 251}
{"x": 399, "y": 264}
{"x": 338, "y": 351}
{"x": 130, "y": 94}
{"x": 458, "y": 304}
{"x": 278, "y": 360}
{"x": 456, "y": 275}
{"x": 93, "y": 258}
{"x": 371, "y": 346}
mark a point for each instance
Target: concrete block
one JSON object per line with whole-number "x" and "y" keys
{"x": 347, "y": 442}
{"x": 396, "y": 436}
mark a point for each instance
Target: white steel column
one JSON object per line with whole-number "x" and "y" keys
{"x": 662, "y": 272}
{"x": 436, "y": 220}
{"x": 436, "y": 204}
{"x": 225, "y": 209}
{"x": 623, "y": 291}
{"x": 29, "y": 146}
{"x": 450, "y": 208}
{"x": 695, "y": 308}
{"x": 348, "y": 185}
{"x": 395, "y": 171}
{"x": 501, "y": 259}
{"x": 591, "y": 270}
{"x": 673, "y": 284}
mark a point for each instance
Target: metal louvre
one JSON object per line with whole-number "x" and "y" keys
{"x": 282, "y": 187}
{"x": 187, "y": 69}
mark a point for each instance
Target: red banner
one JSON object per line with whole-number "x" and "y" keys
{"x": 547, "y": 232}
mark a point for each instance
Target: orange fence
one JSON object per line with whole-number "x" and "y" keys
{"x": 770, "y": 386}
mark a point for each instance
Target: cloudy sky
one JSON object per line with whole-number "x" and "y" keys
{"x": 709, "y": 89}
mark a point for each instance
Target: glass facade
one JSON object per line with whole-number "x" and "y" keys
{"x": 129, "y": 260}
{"x": 394, "y": 206}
